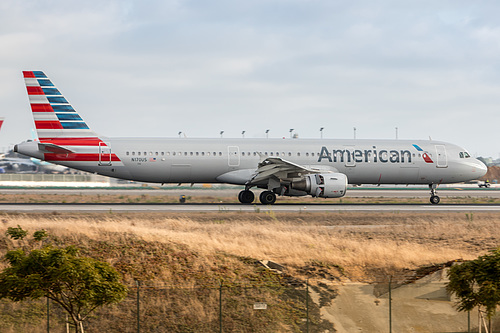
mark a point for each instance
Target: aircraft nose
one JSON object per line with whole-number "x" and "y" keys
{"x": 480, "y": 168}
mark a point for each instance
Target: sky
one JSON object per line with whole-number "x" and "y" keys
{"x": 154, "y": 68}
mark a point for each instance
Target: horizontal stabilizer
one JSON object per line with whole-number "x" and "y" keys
{"x": 51, "y": 148}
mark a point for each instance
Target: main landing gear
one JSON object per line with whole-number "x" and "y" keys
{"x": 266, "y": 197}
{"x": 434, "y": 197}
{"x": 246, "y": 197}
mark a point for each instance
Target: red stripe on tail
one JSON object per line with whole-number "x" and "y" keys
{"x": 41, "y": 108}
{"x": 35, "y": 91}
{"x": 47, "y": 124}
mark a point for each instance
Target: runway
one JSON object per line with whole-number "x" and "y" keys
{"x": 352, "y": 192}
{"x": 44, "y": 207}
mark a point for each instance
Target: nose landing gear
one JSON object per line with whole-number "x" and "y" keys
{"x": 434, "y": 197}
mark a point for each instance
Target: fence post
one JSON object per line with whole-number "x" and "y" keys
{"x": 48, "y": 315}
{"x": 138, "y": 283}
{"x": 390, "y": 304}
{"x": 307, "y": 305}
{"x": 220, "y": 307}
{"x": 468, "y": 321}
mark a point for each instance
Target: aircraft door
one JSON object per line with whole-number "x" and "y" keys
{"x": 442, "y": 159}
{"x": 233, "y": 155}
{"x": 104, "y": 154}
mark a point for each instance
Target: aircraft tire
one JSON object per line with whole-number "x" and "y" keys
{"x": 246, "y": 197}
{"x": 267, "y": 198}
{"x": 435, "y": 199}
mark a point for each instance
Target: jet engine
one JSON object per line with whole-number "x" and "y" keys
{"x": 327, "y": 185}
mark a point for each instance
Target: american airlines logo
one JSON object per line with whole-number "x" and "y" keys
{"x": 425, "y": 156}
{"x": 373, "y": 155}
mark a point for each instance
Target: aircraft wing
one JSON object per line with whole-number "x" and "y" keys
{"x": 276, "y": 167}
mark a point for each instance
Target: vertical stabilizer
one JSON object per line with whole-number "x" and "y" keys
{"x": 56, "y": 121}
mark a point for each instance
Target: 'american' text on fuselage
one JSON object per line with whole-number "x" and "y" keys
{"x": 366, "y": 155}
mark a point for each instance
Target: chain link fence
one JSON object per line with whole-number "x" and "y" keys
{"x": 310, "y": 306}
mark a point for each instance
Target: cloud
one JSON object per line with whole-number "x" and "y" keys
{"x": 157, "y": 67}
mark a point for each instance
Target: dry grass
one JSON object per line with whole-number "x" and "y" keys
{"x": 182, "y": 257}
{"x": 358, "y": 242}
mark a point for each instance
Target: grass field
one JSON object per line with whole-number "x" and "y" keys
{"x": 192, "y": 250}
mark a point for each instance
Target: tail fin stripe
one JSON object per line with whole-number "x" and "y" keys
{"x": 43, "y": 124}
{"x": 28, "y": 74}
{"x": 51, "y": 91}
{"x": 38, "y": 99}
{"x": 74, "y": 125}
{"x": 45, "y": 83}
{"x": 35, "y": 90}
{"x": 39, "y": 74}
{"x": 63, "y": 108}
{"x": 66, "y": 116}
{"x": 41, "y": 108}
{"x": 45, "y": 116}
{"x": 57, "y": 100}
{"x": 31, "y": 82}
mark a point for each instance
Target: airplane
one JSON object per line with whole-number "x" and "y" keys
{"x": 285, "y": 167}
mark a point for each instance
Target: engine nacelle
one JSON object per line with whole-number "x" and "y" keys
{"x": 326, "y": 185}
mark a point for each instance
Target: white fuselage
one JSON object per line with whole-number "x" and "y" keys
{"x": 182, "y": 160}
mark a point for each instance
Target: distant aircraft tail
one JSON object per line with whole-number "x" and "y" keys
{"x": 56, "y": 121}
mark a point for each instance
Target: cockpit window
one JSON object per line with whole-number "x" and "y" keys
{"x": 464, "y": 154}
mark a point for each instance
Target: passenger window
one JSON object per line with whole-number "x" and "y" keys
{"x": 307, "y": 154}
{"x": 139, "y": 153}
{"x": 127, "y": 153}
{"x": 133, "y": 153}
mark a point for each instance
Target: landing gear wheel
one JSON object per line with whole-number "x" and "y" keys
{"x": 246, "y": 197}
{"x": 267, "y": 198}
{"x": 435, "y": 199}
